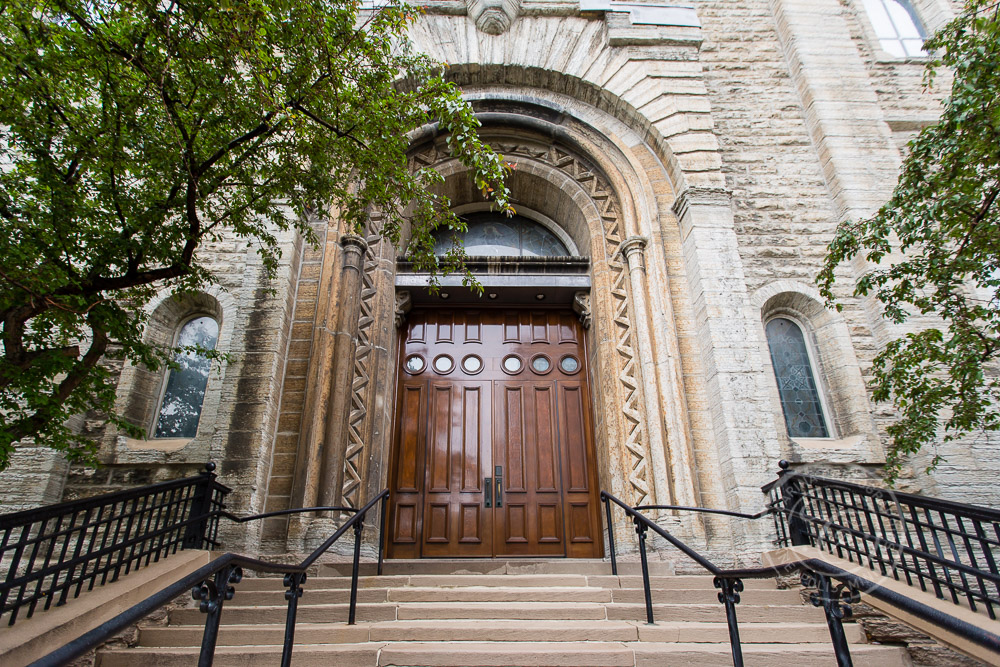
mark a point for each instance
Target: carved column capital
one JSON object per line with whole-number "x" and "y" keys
{"x": 404, "y": 303}
{"x": 355, "y": 248}
{"x": 632, "y": 250}
{"x": 581, "y": 306}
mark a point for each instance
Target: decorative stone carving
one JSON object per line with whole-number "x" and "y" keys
{"x": 403, "y": 306}
{"x": 609, "y": 210}
{"x": 632, "y": 250}
{"x": 581, "y": 306}
{"x": 493, "y": 16}
{"x": 361, "y": 384}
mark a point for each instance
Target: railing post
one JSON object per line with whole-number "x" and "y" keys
{"x": 212, "y": 595}
{"x": 354, "y": 572}
{"x": 201, "y": 505}
{"x": 729, "y": 595}
{"x": 611, "y": 534}
{"x": 640, "y": 529}
{"x": 381, "y": 531}
{"x": 294, "y": 584}
{"x": 833, "y": 600}
{"x": 791, "y": 493}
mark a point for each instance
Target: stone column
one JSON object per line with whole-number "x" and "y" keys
{"x": 632, "y": 250}
{"x": 727, "y": 330}
{"x": 345, "y": 344}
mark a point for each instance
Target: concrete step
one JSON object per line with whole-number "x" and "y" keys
{"x": 745, "y": 612}
{"x": 686, "y": 582}
{"x": 310, "y": 596}
{"x": 320, "y": 613}
{"x": 496, "y": 566}
{"x": 771, "y": 655}
{"x": 234, "y": 614}
{"x": 521, "y": 610}
{"x": 510, "y": 654}
{"x": 705, "y": 596}
{"x": 427, "y": 581}
{"x": 599, "y": 581}
{"x": 498, "y": 594}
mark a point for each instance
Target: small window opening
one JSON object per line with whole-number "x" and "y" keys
{"x": 897, "y": 27}
{"x": 496, "y": 235}
{"x": 800, "y": 400}
{"x": 180, "y": 409}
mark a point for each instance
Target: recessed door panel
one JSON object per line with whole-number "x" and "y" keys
{"x": 457, "y": 449}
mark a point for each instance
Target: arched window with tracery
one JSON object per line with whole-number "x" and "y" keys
{"x": 793, "y": 369}
{"x": 897, "y": 26}
{"x": 496, "y": 235}
{"x": 184, "y": 393}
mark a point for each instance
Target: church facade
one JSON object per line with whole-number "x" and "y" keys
{"x": 648, "y": 325}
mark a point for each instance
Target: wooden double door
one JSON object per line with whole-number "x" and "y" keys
{"x": 493, "y": 450}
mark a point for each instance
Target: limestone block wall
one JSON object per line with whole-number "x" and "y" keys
{"x": 240, "y": 413}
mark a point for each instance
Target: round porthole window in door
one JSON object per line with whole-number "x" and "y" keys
{"x": 472, "y": 364}
{"x": 415, "y": 364}
{"x": 541, "y": 364}
{"x": 443, "y": 363}
{"x": 512, "y": 364}
{"x": 569, "y": 364}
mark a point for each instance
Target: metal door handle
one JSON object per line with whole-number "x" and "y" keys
{"x": 488, "y": 485}
{"x": 499, "y": 475}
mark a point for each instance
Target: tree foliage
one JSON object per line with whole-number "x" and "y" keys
{"x": 132, "y": 132}
{"x": 943, "y": 220}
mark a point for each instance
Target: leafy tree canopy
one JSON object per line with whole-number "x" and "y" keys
{"x": 943, "y": 220}
{"x": 134, "y": 131}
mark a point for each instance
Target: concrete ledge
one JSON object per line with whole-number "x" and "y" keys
{"x": 35, "y": 637}
{"x": 782, "y": 557}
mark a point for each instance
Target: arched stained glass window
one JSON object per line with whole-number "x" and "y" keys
{"x": 800, "y": 400}
{"x": 496, "y": 235}
{"x": 180, "y": 408}
{"x": 897, "y": 26}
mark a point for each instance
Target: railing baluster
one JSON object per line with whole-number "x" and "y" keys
{"x": 640, "y": 529}
{"x": 12, "y": 574}
{"x": 381, "y": 532}
{"x": 213, "y": 594}
{"x": 729, "y": 595}
{"x": 358, "y": 526}
{"x": 833, "y": 600}
{"x": 611, "y": 536}
{"x": 293, "y": 582}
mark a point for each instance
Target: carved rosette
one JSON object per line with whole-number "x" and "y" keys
{"x": 493, "y": 16}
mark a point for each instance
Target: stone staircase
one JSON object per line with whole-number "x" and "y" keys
{"x": 449, "y": 613}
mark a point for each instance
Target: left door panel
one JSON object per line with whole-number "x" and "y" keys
{"x": 456, "y": 522}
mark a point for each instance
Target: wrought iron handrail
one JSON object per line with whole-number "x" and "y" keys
{"x": 52, "y": 552}
{"x": 834, "y": 598}
{"x": 212, "y": 585}
{"x": 938, "y": 544}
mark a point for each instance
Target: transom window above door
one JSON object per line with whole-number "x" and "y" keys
{"x": 496, "y": 235}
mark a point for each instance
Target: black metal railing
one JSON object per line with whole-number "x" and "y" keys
{"x": 212, "y": 586}
{"x": 729, "y": 582}
{"x": 943, "y": 547}
{"x": 841, "y": 518}
{"x": 50, "y": 554}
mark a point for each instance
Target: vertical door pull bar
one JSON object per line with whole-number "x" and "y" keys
{"x": 499, "y": 476}
{"x": 488, "y": 486}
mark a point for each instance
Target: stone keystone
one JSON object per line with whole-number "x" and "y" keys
{"x": 493, "y": 16}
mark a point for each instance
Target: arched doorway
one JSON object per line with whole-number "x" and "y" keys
{"x": 493, "y": 450}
